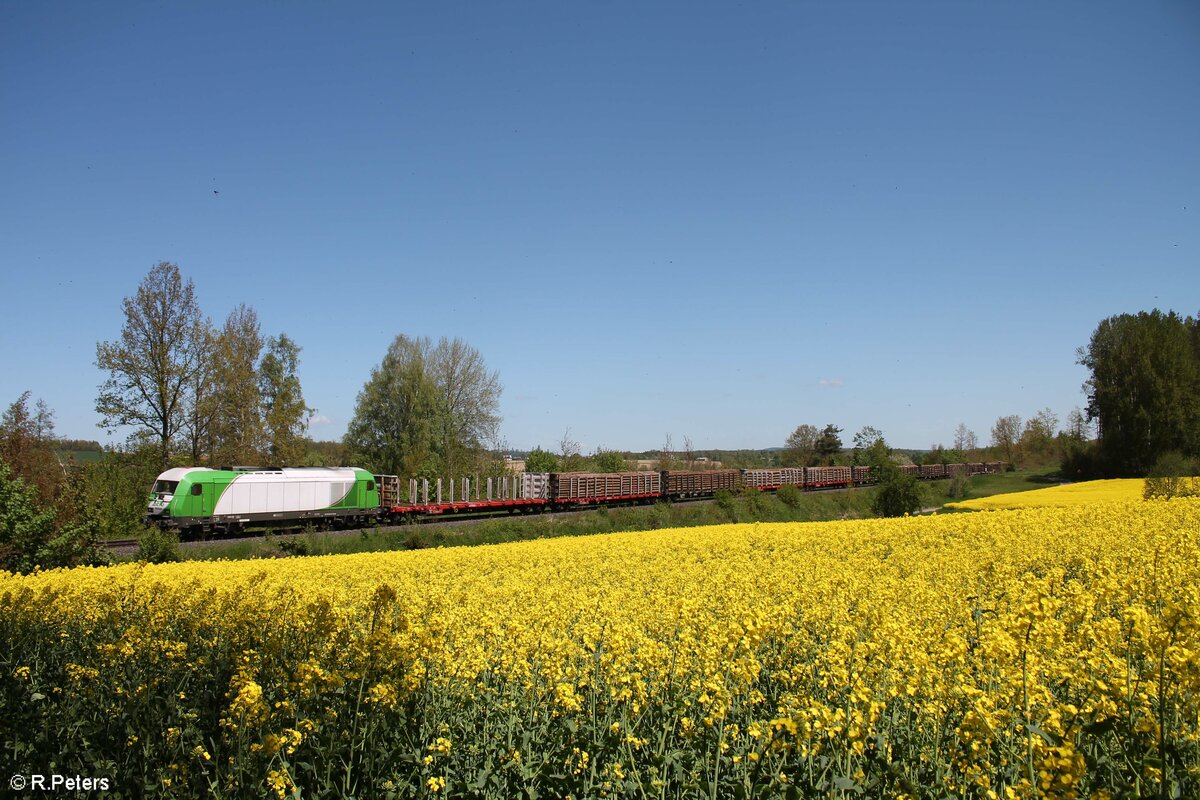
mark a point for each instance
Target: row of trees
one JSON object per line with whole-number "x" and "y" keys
{"x": 1033, "y": 442}
{"x": 1039, "y": 440}
{"x": 220, "y": 395}
{"x": 1143, "y": 392}
{"x": 228, "y": 396}
{"x": 808, "y": 447}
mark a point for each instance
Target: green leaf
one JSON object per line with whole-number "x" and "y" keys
{"x": 846, "y": 784}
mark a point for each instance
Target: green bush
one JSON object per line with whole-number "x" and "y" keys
{"x": 959, "y": 486}
{"x": 158, "y": 546}
{"x": 32, "y": 536}
{"x": 790, "y": 496}
{"x": 897, "y": 495}
{"x": 1172, "y": 476}
{"x": 294, "y": 547}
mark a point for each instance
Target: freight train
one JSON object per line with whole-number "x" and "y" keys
{"x": 198, "y": 500}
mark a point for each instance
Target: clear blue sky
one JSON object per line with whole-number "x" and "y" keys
{"x": 713, "y": 220}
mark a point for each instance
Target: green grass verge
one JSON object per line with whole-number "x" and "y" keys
{"x": 987, "y": 485}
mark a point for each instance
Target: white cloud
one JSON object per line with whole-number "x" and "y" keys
{"x": 831, "y": 382}
{"x": 319, "y": 420}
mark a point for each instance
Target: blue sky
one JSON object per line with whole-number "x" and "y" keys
{"x": 710, "y": 220}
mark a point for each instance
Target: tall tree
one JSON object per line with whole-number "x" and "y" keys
{"x": 284, "y": 411}
{"x": 829, "y": 443}
{"x": 238, "y": 431}
{"x": 151, "y": 366}
{"x": 1144, "y": 390}
{"x": 200, "y": 401}
{"x": 1077, "y": 425}
{"x": 1005, "y": 435}
{"x": 393, "y": 428}
{"x": 863, "y": 441}
{"x": 608, "y": 461}
{"x": 1037, "y": 437}
{"x": 468, "y": 402}
{"x": 964, "y": 439}
{"x": 539, "y": 460}
{"x": 800, "y": 449}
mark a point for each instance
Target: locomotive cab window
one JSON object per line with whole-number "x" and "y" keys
{"x": 165, "y": 487}
{"x": 197, "y": 489}
{"x": 370, "y": 486}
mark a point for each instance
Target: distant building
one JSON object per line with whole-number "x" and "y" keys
{"x": 514, "y": 464}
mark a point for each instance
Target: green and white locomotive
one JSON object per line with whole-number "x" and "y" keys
{"x": 195, "y": 500}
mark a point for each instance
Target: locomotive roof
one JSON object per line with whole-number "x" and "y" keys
{"x": 177, "y": 473}
{"x": 266, "y": 473}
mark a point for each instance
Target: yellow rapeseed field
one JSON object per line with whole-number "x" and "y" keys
{"x": 1069, "y": 494}
{"x": 1049, "y": 652}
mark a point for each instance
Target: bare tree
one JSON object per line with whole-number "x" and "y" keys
{"x": 666, "y": 458}
{"x": 689, "y": 456}
{"x": 569, "y": 453}
{"x": 964, "y": 439}
{"x": 152, "y": 365}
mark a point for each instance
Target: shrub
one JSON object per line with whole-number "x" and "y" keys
{"x": 896, "y": 496}
{"x": 1171, "y": 476}
{"x": 790, "y": 496}
{"x": 35, "y": 536}
{"x": 294, "y": 547}
{"x": 158, "y": 546}
{"x": 756, "y": 503}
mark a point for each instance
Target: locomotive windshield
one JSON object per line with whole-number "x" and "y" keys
{"x": 165, "y": 487}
